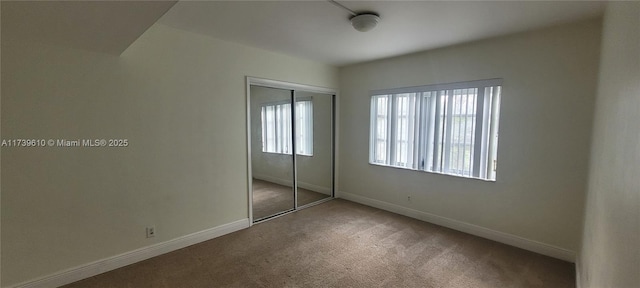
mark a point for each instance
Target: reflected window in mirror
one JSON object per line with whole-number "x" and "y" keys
{"x": 276, "y": 127}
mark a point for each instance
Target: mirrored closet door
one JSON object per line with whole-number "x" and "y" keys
{"x": 291, "y": 147}
{"x": 271, "y": 147}
{"x": 314, "y": 160}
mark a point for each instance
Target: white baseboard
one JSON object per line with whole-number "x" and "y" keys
{"x": 280, "y": 181}
{"x": 506, "y": 238}
{"x": 289, "y": 183}
{"x": 315, "y": 188}
{"x": 94, "y": 268}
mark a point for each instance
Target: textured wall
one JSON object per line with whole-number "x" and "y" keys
{"x": 610, "y": 256}
{"x": 548, "y": 97}
{"x": 179, "y": 99}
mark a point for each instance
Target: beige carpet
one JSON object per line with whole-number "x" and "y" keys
{"x": 343, "y": 244}
{"x": 271, "y": 198}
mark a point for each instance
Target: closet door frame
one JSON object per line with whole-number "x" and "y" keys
{"x": 293, "y": 87}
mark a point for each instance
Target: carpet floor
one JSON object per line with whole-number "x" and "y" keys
{"x": 343, "y": 244}
{"x": 271, "y": 198}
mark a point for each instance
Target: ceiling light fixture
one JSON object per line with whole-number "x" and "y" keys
{"x": 363, "y": 21}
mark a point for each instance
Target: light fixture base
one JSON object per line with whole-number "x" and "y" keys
{"x": 364, "y": 22}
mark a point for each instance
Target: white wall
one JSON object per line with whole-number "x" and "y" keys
{"x": 179, "y": 99}
{"x": 610, "y": 256}
{"x": 547, "y": 104}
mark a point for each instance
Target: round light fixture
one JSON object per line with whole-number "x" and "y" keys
{"x": 365, "y": 21}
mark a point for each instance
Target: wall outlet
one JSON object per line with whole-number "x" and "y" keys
{"x": 408, "y": 198}
{"x": 151, "y": 231}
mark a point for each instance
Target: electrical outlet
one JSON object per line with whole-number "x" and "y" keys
{"x": 151, "y": 231}
{"x": 408, "y": 198}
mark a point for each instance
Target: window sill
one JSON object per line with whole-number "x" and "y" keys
{"x": 285, "y": 154}
{"x": 432, "y": 172}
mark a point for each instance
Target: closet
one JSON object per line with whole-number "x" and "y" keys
{"x": 291, "y": 149}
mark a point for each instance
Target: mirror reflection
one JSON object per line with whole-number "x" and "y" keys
{"x": 314, "y": 141}
{"x": 271, "y": 146}
{"x": 282, "y": 180}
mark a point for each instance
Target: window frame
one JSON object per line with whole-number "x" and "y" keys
{"x": 432, "y": 149}
{"x": 287, "y": 134}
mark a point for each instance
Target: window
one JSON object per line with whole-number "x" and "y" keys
{"x": 449, "y": 128}
{"x": 276, "y": 127}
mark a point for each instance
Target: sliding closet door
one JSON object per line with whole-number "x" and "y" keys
{"x": 314, "y": 144}
{"x": 271, "y": 151}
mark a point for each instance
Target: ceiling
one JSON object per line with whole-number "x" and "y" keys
{"x": 100, "y": 26}
{"x": 316, "y": 30}
{"x": 321, "y": 31}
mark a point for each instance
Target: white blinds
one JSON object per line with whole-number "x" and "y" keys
{"x": 451, "y": 129}
{"x": 304, "y": 127}
{"x": 276, "y": 128}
